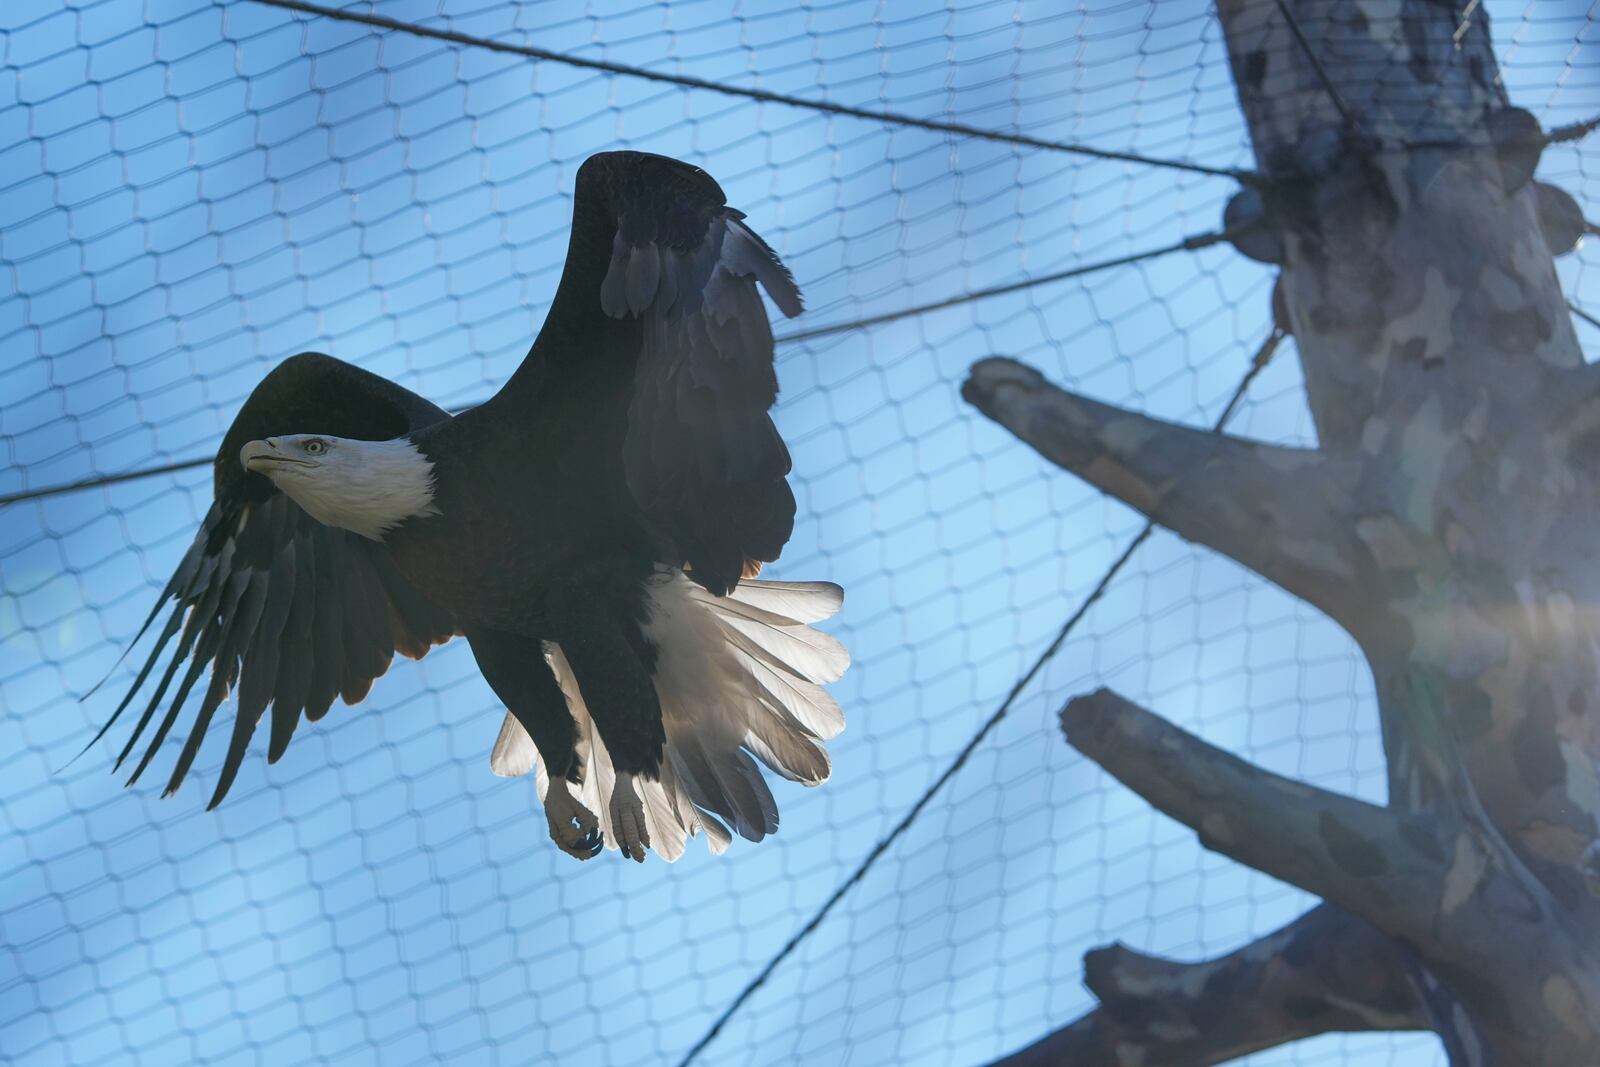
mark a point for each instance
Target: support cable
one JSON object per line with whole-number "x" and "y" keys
{"x": 763, "y": 95}
{"x": 1197, "y": 241}
{"x": 1577, "y": 131}
{"x": 1584, "y": 315}
{"x": 1316, "y": 65}
{"x": 1262, "y": 357}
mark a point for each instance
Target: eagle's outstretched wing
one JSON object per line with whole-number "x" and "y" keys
{"x": 293, "y": 612}
{"x": 656, "y": 248}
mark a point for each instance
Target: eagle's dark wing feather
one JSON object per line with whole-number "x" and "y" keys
{"x": 289, "y": 613}
{"x": 655, "y": 246}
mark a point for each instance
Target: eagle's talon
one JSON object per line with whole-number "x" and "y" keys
{"x": 573, "y": 827}
{"x": 627, "y": 819}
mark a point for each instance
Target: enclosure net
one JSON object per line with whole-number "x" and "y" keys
{"x": 191, "y": 191}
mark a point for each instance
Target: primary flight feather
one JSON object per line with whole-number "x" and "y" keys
{"x": 593, "y": 531}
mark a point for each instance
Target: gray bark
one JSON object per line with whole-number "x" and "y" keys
{"x": 1446, "y": 519}
{"x": 1325, "y": 972}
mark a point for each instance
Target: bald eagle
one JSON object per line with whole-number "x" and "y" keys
{"x": 593, "y": 531}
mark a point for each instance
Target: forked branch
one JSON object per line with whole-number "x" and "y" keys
{"x": 1382, "y": 865}
{"x": 1442, "y": 881}
{"x": 1325, "y": 972}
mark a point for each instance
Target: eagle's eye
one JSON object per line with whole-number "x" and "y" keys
{"x": 315, "y": 447}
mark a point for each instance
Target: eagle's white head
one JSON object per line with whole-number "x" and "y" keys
{"x": 367, "y": 487}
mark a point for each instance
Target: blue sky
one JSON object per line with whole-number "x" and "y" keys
{"x": 194, "y": 190}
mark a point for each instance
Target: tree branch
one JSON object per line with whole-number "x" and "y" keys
{"x": 1325, "y": 972}
{"x": 1283, "y": 512}
{"x": 1442, "y": 881}
{"x": 1382, "y": 865}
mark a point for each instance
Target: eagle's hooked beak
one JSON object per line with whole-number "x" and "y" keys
{"x": 263, "y": 456}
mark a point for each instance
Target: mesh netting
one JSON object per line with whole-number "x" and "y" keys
{"x": 192, "y": 191}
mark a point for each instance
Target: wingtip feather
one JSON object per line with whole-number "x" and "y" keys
{"x": 513, "y": 754}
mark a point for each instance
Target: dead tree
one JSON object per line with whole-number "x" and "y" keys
{"x": 1449, "y": 520}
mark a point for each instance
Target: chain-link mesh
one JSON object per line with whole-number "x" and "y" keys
{"x": 194, "y": 190}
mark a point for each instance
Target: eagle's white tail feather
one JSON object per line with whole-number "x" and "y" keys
{"x": 810, "y": 704}
{"x": 736, "y": 676}
{"x": 799, "y": 601}
{"x": 778, "y": 740}
{"x": 812, "y": 654}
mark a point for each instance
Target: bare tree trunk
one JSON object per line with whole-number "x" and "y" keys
{"x": 1448, "y": 520}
